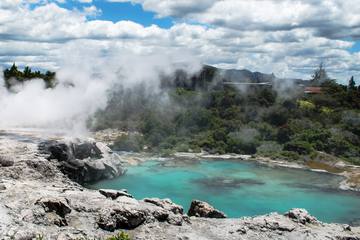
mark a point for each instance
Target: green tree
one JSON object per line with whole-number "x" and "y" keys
{"x": 13, "y": 76}
{"x": 298, "y": 146}
{"x": 27, "y": 72}
{"x": 320, "y": 75}
{"x": 351, "y": 85}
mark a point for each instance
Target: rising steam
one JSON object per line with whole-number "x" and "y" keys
{"x": 85, "y": 78}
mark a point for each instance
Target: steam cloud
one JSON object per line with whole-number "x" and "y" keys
{"x": 92, "y": 75}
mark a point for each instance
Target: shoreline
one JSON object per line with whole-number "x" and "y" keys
{"x": 351, "y": 173}
{"x": 347, "y": 171}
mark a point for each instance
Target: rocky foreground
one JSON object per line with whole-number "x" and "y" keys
{"x": 41, "y": 198}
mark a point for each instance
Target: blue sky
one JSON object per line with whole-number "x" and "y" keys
{"x": 356, "y": 47}
{"x": 117, "y": 11}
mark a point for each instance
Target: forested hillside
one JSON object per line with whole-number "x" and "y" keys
{"x": 287, "y": 119}
{"x": 230, "y": 111}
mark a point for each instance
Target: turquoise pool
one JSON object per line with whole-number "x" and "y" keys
{"x": 241, "y": 188}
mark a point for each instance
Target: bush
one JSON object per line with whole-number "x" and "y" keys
{"x": 267, "y": 148}
{"x": 119, "y": 236}
{"x": 166, "y": 152}
{"x": 165, "y": 145}
{"x": 306, "y": 105}
{"x": 129, "y": 143}
{"x": 289, "y": 155}
{"x": 278, "y": 116}
{"x": 318, "y": 138}
{"x": 182, "y": 147}
{"x": 326, "y": 110}
{"x": 301, "y": 125}
{"x": 340, "y": 147}
{"x": 267, "y": 132}
{"x": 351, "y": 121}
{"x": 300, "y": 147}
{"x": 244, "y": 141}
{"x": 354, "y": 160}
{"x": 204, "y": 140}
{"x": 283, "y": 135}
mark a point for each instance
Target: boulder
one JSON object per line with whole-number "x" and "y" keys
{"x": 177, "y": 220}
{"x": 166, "y": 204}
{"x": 86, "y": 150}
{"x": 56, "y": 150}
{"x": 301, "y": 216}
{"x": 58, "y": 205}
{"x": 160, "y": 214}
{"x": 205, "y": 210}
{"x": 6, "y": 162}
{"x": 166, "y": 210}
{"x": 278, "y": 223}
{"x": 113, "y": 219}
{"x": 114, "y": 194}
{"x": 77, "y": 149}
{"x": 83, "y": 161}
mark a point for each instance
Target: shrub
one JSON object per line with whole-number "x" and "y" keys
{"x": 351, "y": 121}
{"x": 166, "y": 152}
{"x": 339, "y": 146}
{"x": 267, "y": 148}
{"x": 119, "y": 236}
{"x": 300, "y": 125}
{"x": 318, "y": 138}
{"x": 182, "y": 147}
{"x": 283, "y": 135}
{"x": 289, "y": 155}
{"x": 300, "y": 147}
{"x": 39, "y": 237}
{"x": 326, "y": 110}
{"x": 277, "y": 116}
{"x": 306, "y": 105}
{"x": 267, "y": 132}
{"x": 129, "y": 143}
{"x": 244, "y": 141}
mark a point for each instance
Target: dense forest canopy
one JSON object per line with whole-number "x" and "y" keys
{"x": 232, "y": 111}
{"x": 204, "y": 112}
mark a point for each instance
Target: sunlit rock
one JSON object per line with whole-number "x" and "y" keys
{"x": 114, "y": 194}
{"x": 83, "y": 161}
{"x": 203, "y": 209}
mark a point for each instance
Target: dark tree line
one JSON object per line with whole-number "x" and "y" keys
{"x": 14, "y": 76}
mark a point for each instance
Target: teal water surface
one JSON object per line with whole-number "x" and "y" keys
{"x": 241, "y": 188}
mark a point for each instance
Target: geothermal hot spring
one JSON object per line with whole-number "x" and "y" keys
{"x": 238, "y": 188}
{"x": 241, "y": 188}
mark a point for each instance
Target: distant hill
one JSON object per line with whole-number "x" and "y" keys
{"x": 245, "y": 76}
{"x": 210, "y": 76}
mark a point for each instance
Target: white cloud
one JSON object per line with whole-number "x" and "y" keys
{"x": 330, "y": 18}
{"x": 92, "y": 11}
{"x": 286, "y": 37}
